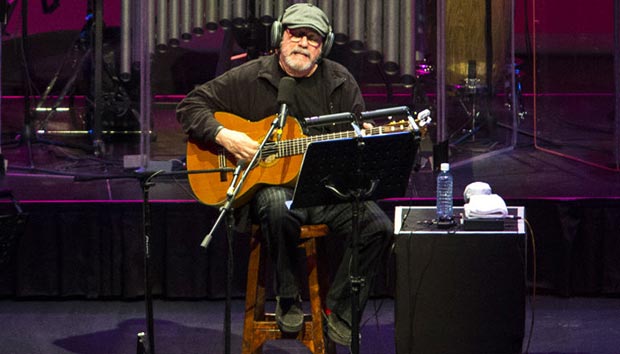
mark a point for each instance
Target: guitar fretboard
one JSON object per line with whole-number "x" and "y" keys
{"x": 298, "y": 146}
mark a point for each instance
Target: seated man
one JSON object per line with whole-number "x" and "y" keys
{"x": 322, "y": 87}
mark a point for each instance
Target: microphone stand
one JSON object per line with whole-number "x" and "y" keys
{"x": 147, "y": 345}
{"x": 227, "y": 210}
{"x": 146, "y": 340}
{"x": 356, "y": 196}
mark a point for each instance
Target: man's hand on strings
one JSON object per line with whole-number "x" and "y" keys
{"x": 237, "y": 143}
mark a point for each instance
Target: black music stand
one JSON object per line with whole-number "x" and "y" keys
{"x": 353, "y": 170}
{"x": 387, "y": 159}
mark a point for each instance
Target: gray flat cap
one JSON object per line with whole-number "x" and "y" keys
{"x": 306, "y": 15}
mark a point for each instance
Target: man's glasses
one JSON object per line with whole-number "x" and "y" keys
{"x": 314, "y": 39}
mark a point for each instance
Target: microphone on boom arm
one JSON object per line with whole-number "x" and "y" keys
{"x": 330, "y": 118}
{"x": 286, "y": 88}
{"x": 385, "y": 112}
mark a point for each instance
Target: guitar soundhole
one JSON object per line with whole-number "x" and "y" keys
{"x": 269, "y": 153}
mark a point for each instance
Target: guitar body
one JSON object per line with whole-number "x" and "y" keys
{"x": 279, "y": 161}
{"x": 211, "y": 188}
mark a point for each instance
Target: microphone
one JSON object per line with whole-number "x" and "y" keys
{"x": 285, "y": 97}
{"x": 330, "y": 118}
{"x": 384, "y": 112}
{"x": 471, "y": 81}
{"x": 471, "y": 69}
{"x": 240, "y": 166}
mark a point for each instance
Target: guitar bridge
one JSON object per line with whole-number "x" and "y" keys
{"x": 221, "y": 156}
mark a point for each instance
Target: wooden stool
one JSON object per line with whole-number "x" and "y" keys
{"x": 259, "y": 326}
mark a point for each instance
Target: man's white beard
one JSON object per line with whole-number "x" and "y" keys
{"x": 299, "y": 65}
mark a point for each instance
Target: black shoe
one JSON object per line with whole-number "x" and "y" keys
{"x": 338, "y": 330}
{"x": 289, "y": 316}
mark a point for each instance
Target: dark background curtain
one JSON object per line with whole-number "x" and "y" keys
{"x": 96, "y": 250}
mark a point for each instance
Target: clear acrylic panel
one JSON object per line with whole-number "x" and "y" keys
{"x": 573, "y": 81}
{"x": 476, "y": 90}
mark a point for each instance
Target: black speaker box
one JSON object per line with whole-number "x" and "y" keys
{"x": 459, "y": 294}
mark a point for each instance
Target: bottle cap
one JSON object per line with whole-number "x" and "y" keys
{"x": 444, "y": 167}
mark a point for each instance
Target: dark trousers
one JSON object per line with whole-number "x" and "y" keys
{"x": 281, "y": 228}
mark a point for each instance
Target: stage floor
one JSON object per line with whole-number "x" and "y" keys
{"x": 561, "y": 326}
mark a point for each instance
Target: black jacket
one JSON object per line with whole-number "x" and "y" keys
{"x": 250, "y": 91}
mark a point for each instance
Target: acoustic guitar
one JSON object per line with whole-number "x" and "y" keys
{"x": 279, "y": 163}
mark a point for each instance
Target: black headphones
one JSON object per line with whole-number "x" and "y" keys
{"x": 276, "y": 36}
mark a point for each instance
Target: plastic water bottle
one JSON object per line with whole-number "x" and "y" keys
{"x": 444, "y": 193}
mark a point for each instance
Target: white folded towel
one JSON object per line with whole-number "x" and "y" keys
{"x": 476, "y": 188}
{"x": 485, "y": 206}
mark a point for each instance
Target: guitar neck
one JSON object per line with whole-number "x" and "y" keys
{"x": 298, "y": 146}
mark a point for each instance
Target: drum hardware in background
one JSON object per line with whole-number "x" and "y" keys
{"x": 468, "y": 95}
